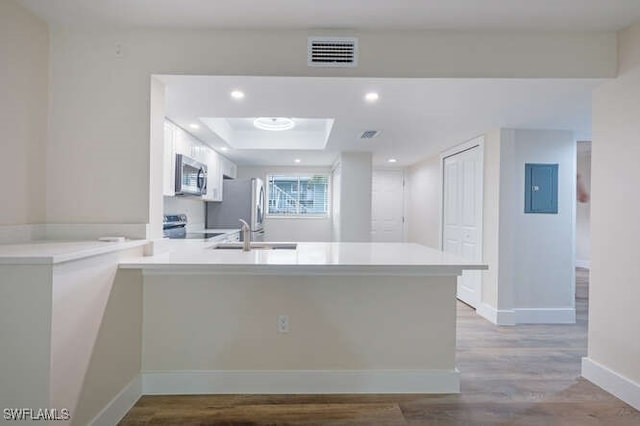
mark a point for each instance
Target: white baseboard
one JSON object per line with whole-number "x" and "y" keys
{"x": 496, "y": 316}
{"x": 300, "y": 382}
{"x": 17, "y": 234}
{"x": 527, "y": 315}
{"x": 545, "y": 315}
{"x": 583, "y": 263}
{"x": 614, "y": 383}
{"x": 118, "y": 407}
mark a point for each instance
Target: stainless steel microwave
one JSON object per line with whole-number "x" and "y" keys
{"x": 191, "y": 176}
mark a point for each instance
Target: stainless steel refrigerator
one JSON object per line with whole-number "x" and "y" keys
{"x": 241, "y": 199}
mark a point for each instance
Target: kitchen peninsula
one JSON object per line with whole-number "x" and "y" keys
{"x": 91, "y": 326}
{"x": 320, "y": 318}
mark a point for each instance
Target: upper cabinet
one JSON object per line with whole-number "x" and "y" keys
{"x": 214, "y": 176}
{"x": 187, "y": 145}
{"x": 228, "y": 168}
{"x": 178, "y": 141}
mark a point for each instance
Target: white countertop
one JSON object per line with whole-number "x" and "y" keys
{"x": 51, "y": 252}
{"x": 308, "y": 258}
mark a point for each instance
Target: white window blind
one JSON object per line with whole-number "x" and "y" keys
{"x": 305, "y": 195}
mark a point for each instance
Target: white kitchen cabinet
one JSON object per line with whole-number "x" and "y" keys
{"x": 182, "y": 141}
{"x": 200, "y": 152}
{"x": 179, "y": 141}
{"x": 214, "y": 176}
{"x": 218, "y": 167}
{"x": 187, "y": 144}
{"x": 169, "y": 161}
{"x": 228, "y": 168}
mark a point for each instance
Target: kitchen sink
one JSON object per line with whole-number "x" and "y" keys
{"x": 256, "y": 246}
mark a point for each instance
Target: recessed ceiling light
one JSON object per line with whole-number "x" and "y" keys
{"x": 297, "y": 160}
{"x": 274, "y": 124}
{"x": 371, "y": 97}
{"x": 224, "y": 148}
{"x": 194, "y": 126}
{"x": 237, "y": 94}
{"x": 392, "y": 160}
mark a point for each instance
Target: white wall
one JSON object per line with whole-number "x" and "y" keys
{"x": 100, "y": 101}
{"x": 491, "y": 216}
{"x": 531, "y": 276}
{"x": 540, "y": 247}
{"x": 355, "y": 196}
{"x": 336, "y": 182}
{"x": 156, "y": 157}
{"x": 583, "y": 210}
{"x": 24, "y": 83}
{"x": 291, "y": 229}
{"x": 507, "y": 211}
{"x": 530, "y": 257}
{"x": 614, "y": 293}
{"x": 424, "y": 200}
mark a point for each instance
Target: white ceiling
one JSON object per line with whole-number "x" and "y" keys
{"x": 240, "y": 133}
{"x": 418, "y": 117}
{"x": 557, "y": 15}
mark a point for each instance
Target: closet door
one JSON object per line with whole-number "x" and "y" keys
{"x": 462, "y": 213}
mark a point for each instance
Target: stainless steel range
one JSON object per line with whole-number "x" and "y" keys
{"x": 175, "y": 227}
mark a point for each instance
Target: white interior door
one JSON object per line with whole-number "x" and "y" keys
{"x": 462, "y": 213}
{"x": 387, "y": 206}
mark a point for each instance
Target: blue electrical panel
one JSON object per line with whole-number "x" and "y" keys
{"x": 541, "y": 188}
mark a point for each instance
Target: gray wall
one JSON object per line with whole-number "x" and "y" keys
{"x": 24, "y": 78}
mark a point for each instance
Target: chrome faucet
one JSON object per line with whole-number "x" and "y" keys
{"x": 246, "y": 236}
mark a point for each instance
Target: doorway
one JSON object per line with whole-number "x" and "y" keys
{"x": 387, "y": 206}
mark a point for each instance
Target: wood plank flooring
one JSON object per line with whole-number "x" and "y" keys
{"x": 523, "y": 375}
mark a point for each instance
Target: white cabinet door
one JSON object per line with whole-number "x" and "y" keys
{"x": 214, "y": 176}
{"x": 169, "y": 161}
{"x": 182, "y": 143}
{"x": 228, "y": 168}
{"x": 387, "y": 206}
{"x": 178, "y": 141}
{"x": 200, "y": 152}
{"x": 462, "y": 215}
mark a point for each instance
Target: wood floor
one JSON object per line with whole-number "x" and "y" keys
{"x": 523, "y": 375}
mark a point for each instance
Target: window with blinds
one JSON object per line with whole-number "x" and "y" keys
{"x": 304, "y": 195}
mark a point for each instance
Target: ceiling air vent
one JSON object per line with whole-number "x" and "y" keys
{"x": 369, "y": 134}
{"x": 332, "y": 52}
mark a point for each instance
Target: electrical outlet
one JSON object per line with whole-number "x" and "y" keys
{"x": 283, "y": 323}
{"x": 119, "y": 50}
